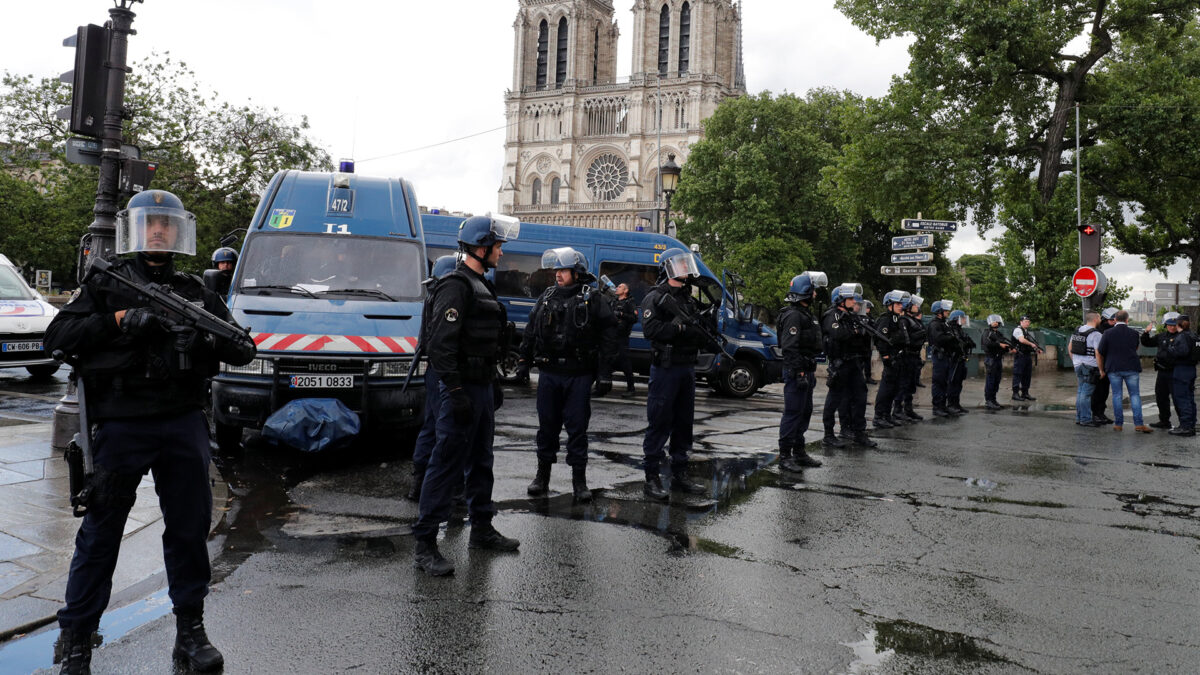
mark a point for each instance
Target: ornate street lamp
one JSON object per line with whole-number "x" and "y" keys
{"x": 669, "y": 178}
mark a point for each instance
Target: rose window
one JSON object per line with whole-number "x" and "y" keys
{"x": 607, "y": 178}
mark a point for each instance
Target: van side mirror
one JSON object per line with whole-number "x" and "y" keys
{"x": 747, "y": 312}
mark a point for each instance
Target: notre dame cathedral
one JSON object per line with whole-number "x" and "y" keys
{"x": 583, "y": 146}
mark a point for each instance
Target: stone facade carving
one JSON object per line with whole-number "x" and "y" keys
{"x": 603, "y": 130}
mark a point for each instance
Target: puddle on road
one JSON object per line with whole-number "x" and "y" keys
{"x": 1152, "y": 505}
{"x": 890, "y": 639}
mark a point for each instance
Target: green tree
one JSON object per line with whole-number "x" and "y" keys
{"x": 216, "y": 156}
{"x": 979, "y": 124}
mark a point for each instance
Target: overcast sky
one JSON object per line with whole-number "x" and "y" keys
{"x": 381, "y": 80}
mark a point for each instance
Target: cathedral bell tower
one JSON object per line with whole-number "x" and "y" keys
{"x": 582, "y": 145}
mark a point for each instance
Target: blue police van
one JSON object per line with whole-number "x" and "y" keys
{"x": 329, "y": 284}
{"x": 753, "y": 357}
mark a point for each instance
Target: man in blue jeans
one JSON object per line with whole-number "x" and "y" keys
{"x": 1083, "y": 345}
{"x": 1118, "y": 359}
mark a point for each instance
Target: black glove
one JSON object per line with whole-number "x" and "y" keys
{"x": 460, "y": 403}
{"x": 522, "y": 373}
{"x": 139, "y": 321}
{"x": 497, "y": 396}
{"x": 185, "y": 338}
{"x": 603, "y": 386}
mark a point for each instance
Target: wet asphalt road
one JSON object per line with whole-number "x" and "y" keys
{"x": 1009, "y": 542}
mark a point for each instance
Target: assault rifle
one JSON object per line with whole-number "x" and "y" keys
{"x": 864, "y": 323}
{"x": 171, "y": 309}
{"x": 693, "y": 319}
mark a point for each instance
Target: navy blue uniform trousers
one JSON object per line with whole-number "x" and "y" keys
{"x": 797, "y": 408}
{"x": 460, "y": 449}
{"x": 991, "y": 386}
{"x": 1184, "y": 391}
{"x": 1023, "y": 373}
{"x": 958, "y": 373}
{"x": 1164, "y": 383}
{"x": 941, "y": 379}
{"x": 428, "y": 436}
{"x": 889, "y": 386}
{"x": 847, "y": 397}
{"x": 175, "y": 451}
{"x": 563, "y": 400}
{"x": 670, "y": 409}
{"x": 912, "y": 374}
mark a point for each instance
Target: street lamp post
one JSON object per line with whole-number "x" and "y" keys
{"x": 669, "y": 178}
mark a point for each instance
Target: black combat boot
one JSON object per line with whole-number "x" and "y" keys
{"x": 787, "y": 463}
{"x": 832, "y": 441}
{"x": 429, "y": 560}
{"x": 956, "y": 408}
{"x": 1027, "y": 397}
{"x": 541, "y": 482}
{"x": 1183, "y": 431}
{"x": 76, "y": 652}
{"x": 191, "y": 642}
{"x": 941, "y": 411}
{"x": 579, "y": 484}
{"x": 898, "y": 417}
{"x": 861, "y": 438}
{"x": 1162, "y": 424}
{"x": 993, "y": 405}
{"x": 801, "y": 460}
{"x": 654, "y": 488}
{"x": 484, "y": 536}
{"x": 912, "y": 414}
{"x": 414, "y": 491}
{"x": 882, "y": 422}
{"x": 681, "y": 483}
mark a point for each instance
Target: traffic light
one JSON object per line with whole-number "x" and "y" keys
{"x": 1089, "y": 245}
{"x": 89, "y": 81}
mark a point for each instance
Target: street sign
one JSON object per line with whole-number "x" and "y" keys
{"x": 908, "y": 271}
{"x": 924, "y": 256}
{"x": 922, "y": 225}
{"x": 912, "y": 241}
{"x": 1088, "y": 281}
{"x": 1185, "y": 295}
{"x": 87, "y": 151}
{"x": 1166, "y": 287}
{"x": 1165, "y": 295}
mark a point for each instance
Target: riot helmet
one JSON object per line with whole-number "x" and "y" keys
{"x": 155, "y": 222}
{"x": 805, "y": 285}
{"x": 914, "y": 302}
{"x": 486, "y": 231}
{"x": 995, "y": 318}
{"x": 441, "y": 267}
{"x": 224, "y": 254}
{"x": 565, "y": 258}
{"x": 894, "y": 297}
{"x": 959, "y": 316}
{"x": 1109, "y": 313}
{"x": 864, "y": 306}
{"x": 846, "y": 291}
{"x": 677, "y": 263}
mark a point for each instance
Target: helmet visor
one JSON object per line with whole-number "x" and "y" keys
{"x": 995, "y": 318}
{"x": 849, "y": 290}
{"x": 156, "y": 229}
{"x": 818, "y": 279}
{"x": 947, "y": 305}
{"x": 681, "y": 265}
{"x": 916, "y": 301}
{"x": 505, "y": 227}
{"x": 562, "y": 258}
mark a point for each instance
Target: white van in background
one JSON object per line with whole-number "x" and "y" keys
{"x": 24, "y": 315}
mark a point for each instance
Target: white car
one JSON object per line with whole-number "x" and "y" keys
{"x": 24, "y": 315}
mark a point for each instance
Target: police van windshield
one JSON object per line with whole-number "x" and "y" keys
{"x": 12, "y": 287}
{"x": 332, "y": 266}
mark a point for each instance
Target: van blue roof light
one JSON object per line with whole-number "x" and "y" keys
{"x": 346, "y": 166}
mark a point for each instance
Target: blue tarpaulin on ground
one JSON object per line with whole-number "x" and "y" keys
{"x": 312, "y": 424}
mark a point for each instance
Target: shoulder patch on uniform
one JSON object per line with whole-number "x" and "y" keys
{"x": 75, "y": 294}
{"x": 451, "y": 315}
{"x": 793, "y": 330}
{"x": 647, "y": 313}
{"x": 835, "y": 325}
{"x": 885, "y": 330}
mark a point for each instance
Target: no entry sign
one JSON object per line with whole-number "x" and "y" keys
{"x": 1088, "y": 281}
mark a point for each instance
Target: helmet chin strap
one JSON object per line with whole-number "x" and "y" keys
{"x": 485, "y": 260}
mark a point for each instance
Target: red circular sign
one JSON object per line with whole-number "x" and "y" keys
{"x": 1085, "y": 281}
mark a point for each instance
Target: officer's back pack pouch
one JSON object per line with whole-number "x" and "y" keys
{"x": 312, "y": 424}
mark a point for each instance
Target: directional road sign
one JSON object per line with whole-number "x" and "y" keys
{"x": 921, "y": 225}
{"x": 1185, "y": 295}
{"x": 912, "y": 241}
{"x": 924, "y": 256}
{"x": 908, "y": 271}
{"x": 88, "y": 150}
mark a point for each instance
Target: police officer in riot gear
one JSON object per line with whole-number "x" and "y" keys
{"x": 146, "y": 380}
{"x": 958, "y": 370}
{"x": 1185, "y": 350}
{"x": 571, "y": 337}
{"x": 428, "y": 435}
{"x": 945, "y": 347}
{"x": 675, "y": 326}
{"x": 891, "y": 354}
{"x": 1108, "y": 319}
{"x": 466, "y": 338}
{"x": 846, "y": 344}
{"x": 994, "y": 348}
{"x": 800, "y": 340}
{"x": 1164, "y": 366}
{"x": 912, "y": 359}
{"x": 1023, "y": 364}
{"x": 224, "y": 260}
{"x": 625, "y": 311}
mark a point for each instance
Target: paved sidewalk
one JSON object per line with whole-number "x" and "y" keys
{"x": 37, "y": 530}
